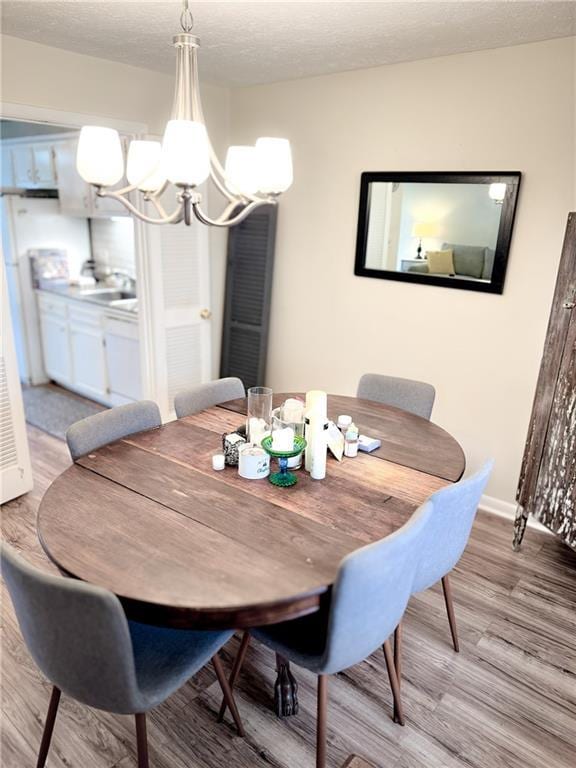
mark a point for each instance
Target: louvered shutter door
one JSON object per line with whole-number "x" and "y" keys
{"x": 247, "y": 304}
{"x": 15, "y": 468}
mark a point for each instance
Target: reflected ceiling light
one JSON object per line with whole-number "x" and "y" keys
{"x": 253, "y": 176}
{"x": 497, "y": 192}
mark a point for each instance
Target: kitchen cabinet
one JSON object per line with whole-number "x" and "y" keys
{"x": 55, "y": 341}
{"x": 33, "y": 166}
{"x": 87, "y": 352}
{"x": 122, "y": 350}
{"x": 90, "y": 349}
{"x": 75, "y": 195}
{"x": 44, "y": 170}
{"x": 7, "y": 175}
{"x": 23, "y": 165}
{"x": 77, "y": 198}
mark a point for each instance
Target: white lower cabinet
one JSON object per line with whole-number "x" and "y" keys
{"x": 87, "y": 350}
{"x": 91, "y": 350}
{"x": 55, "y": 341}
{"x": 122, "y": 359}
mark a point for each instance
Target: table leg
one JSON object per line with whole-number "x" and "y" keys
{"x": 285, "y": 689}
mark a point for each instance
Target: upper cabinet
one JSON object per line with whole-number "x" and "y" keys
{"x": 77, "y": 198}
{"x": 33, "y": 166}
{"x": 50, "y": 163}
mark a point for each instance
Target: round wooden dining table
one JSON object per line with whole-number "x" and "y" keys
{"x": 182, "y": 545}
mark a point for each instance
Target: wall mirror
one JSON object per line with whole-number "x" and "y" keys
{"x": 448, "y": 229}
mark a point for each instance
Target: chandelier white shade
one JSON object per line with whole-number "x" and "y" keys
{"x": 99, "y": 159}
{"x": 253, "y": 175}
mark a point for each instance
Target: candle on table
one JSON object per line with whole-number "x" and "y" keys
{"x": 283, "y": 440}
{"x": 257, "y": 430}
{"x": 218, "y": 461}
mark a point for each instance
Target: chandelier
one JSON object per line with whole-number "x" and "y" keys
{"x": 252, "y": 176}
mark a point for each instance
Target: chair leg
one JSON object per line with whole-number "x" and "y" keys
{"x": 141, "y": 740}
{"x": 447, "y": 588}
{"x": 228, "y": 697}
{"x": 389, "y": 656}
{"x": 48, "y": 727}
{"x": 321, "y": 722}
{"x": 398, "y": 663}
{"x": 238, "y": 661}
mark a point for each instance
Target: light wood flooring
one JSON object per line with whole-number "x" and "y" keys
{"x": 507, "y": 700}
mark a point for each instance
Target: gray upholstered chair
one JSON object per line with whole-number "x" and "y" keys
{"x": 102, "y": 428}
{"x": 206, "y": 395}
{"x": 413, "y": 396}
{"x": 453, "y": 511}
{"x": 368, "y": 600}
{"x": 79, "y": 637}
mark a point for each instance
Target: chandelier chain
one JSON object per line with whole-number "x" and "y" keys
{"x": 186, "y": 18}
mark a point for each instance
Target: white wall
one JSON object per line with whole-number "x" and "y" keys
{"x": 41, "y": 76}
{"x": 504, "y": 109}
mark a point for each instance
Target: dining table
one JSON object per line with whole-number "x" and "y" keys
{"x": 185, "y": 546}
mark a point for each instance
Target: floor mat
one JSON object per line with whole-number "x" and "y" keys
{"x": 53, "y": 409}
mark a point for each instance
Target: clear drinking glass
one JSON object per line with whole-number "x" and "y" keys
{"x": 295, "y": 462}
{"x": 259, "y": 414}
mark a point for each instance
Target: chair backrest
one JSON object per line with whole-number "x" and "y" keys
{"x": 453, "y": 512}
{"x": 371, "y": 592}
{"x": 414, "y": 396}
{"x": 76, "y": 633}
{"x": 206, "y": 395}
{"x": 102, "y": 428}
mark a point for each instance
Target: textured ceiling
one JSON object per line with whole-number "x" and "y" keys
{"x": 256, "y": 42}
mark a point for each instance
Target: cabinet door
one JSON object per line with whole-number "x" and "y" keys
{"x": 44, "y": 175}
{"x": 23, "y": 166}
{"x": 7, "y": 174}
{"x": 75, "y": 195}
{"x": 88, "y": 363}
{"x": 123, "y": 360}
{"x": 55, "y": 346}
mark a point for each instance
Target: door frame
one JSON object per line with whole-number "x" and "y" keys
{"x": 146, "y": 292}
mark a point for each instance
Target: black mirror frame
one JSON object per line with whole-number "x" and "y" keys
{"x": 496, "y": 285}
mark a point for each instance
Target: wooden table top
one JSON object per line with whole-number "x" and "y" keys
{"x": 181, "y": 545}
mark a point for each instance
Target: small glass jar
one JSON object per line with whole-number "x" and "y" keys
{"x": 351, "y": 441}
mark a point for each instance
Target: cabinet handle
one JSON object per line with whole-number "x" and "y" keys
{"x": 36, "y": 176}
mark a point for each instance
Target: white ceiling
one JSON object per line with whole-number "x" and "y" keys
{"x": 244, "y": 43}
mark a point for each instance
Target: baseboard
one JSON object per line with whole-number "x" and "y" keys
{"x": 507, "y": 509}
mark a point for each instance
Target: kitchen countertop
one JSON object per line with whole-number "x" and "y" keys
{"x": 97, "y": 296}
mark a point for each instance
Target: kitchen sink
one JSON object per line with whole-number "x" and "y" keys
{"x": 107, "y": 295}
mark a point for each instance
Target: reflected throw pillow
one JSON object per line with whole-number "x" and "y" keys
{"x": 440, "y": 262}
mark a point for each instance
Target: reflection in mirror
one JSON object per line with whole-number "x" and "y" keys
{"x": 446, "y": 232}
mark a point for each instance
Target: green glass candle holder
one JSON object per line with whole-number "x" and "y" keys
{"x": 283, "y": 478}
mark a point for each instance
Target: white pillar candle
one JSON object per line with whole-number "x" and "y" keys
{"x": 293, "y": 410}
{"x": 316, "y": 401}
{"x": 218, "y": 461}
{"x": 257, "y": 430}
{"x": 283, "y": 440}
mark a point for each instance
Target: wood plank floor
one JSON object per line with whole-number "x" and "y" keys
{"x": 507, "y": 700}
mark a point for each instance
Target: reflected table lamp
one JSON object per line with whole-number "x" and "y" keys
{"x": 423, "y": 229}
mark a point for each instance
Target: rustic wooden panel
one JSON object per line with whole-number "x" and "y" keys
{"x": 554, "y": 499}
{"x": 406, "y": 439}
{"x": 560, "y": 319}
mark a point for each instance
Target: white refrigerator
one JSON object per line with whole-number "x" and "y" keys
{"x": 35, "y": 223}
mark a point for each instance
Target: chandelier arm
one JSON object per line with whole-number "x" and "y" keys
{"x": 223, "y": 220}
{"x": 175, "y": 217}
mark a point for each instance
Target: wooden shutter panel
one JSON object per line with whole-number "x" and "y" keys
{"x": 247, "y": 304}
